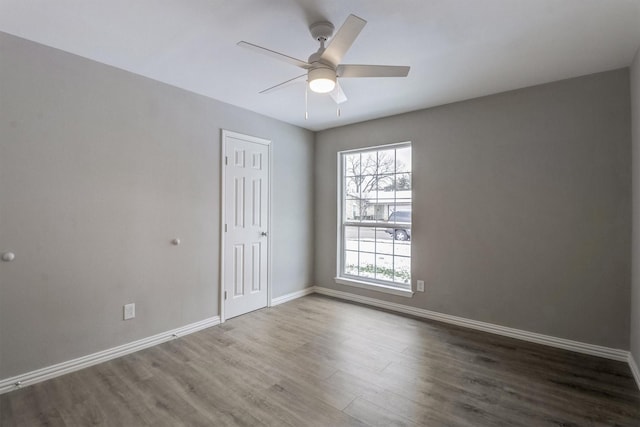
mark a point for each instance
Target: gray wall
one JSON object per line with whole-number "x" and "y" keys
{"x": 521, "y": 212}
{"x": 99, "y": 170}
{"x": 635, "y": 251}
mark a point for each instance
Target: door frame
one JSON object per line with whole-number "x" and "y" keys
{"x": 223, "y": 155}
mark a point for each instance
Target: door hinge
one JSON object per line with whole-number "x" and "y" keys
{"x": 225, "y": 228}
{"x": 226, "y": 160}
{"x": 225, "y": 295}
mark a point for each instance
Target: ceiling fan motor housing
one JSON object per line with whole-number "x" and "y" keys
{"x": 321, "y": 31}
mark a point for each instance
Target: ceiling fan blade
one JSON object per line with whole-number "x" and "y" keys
{"x": 337, "y": 94}
{"x": 283, "y": 84}
{"x": 274, "y": 54}
{"x": 372, "y": 71}
{"x": 343, "y": 39}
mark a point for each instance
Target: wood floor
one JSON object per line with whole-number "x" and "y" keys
{"x": 317, "y": 361}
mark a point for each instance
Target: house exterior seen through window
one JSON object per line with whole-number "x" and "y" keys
{"x": 375, "y": 216}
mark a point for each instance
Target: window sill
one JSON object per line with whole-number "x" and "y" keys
{"x": 374, "y": 287}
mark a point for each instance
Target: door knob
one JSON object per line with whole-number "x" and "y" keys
{"x": 264, "y": 233}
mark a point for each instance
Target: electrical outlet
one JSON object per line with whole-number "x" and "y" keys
{"x": 129, "y": 311}
{"x": 420, "y": 285}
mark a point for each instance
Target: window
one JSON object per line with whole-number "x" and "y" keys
{"x": 374, "y": 243}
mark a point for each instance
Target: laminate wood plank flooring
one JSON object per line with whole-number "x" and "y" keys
{"x": 318, "y": 361}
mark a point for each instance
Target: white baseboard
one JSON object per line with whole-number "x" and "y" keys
{"x": 292, "y": 296}
{"x": 579, "y": 347}
{"x": 634, "y": 369}
{"x": 53, "y": 371}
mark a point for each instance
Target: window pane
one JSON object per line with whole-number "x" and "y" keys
{"x": 402, "y": 247}
{"x": 386, "y": 196}
{"x": 367, "y": 264}
{"x": 402, "y": 268}
{"x": 401, "y": 214}
{"x": 351, "y": 263}
{"x": 384, "y": 268}
{"x": 403, "y": 159}
{"x": 352, "y": 164}
{"x": 369, "y": 161}
{"x": 368, "y": 208}
{"x": 352, "y": 187}
{"x": 386, "y": 162}
{"x": 367, "y": 239}
{"x": 367, "y": 185}
{"x": 353, "y": 209}
{"x": 403, "y": 207}
{"x": 384, "y": 241}
{"x": 385, "y": 183}
{"x": 403, "y": 182}
{"x": 351, "y": 238}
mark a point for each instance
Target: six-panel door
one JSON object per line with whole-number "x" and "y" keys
{"x": 246, "y": 216}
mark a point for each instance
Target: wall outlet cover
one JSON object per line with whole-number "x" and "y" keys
{"x": 420, "y": 286}
{"x": 129, "y": 311}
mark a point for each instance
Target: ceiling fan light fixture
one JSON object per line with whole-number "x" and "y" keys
{"x": 322, "y": 80}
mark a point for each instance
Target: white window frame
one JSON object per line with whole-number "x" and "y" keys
{"x": 356, "y": 281}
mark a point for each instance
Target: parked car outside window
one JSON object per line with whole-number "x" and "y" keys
{"x": 400, "y": 233}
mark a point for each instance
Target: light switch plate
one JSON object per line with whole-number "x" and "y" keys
{"x": 420, "y": 285}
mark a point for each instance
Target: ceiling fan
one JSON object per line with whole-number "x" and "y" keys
{"x": 324, "y": 67}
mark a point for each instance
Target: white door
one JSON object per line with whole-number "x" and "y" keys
{"x": 246, "y": 208}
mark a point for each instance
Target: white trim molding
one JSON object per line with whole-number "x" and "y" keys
{"x": 39, "y": 375}
{"x": 293, "y": 295}
{"x": 408, "y": 293}
{"x": 579, "y": 347}
{"x": 634, "y": 369}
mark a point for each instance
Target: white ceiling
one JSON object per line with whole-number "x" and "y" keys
{"x": 457, "y": 49}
